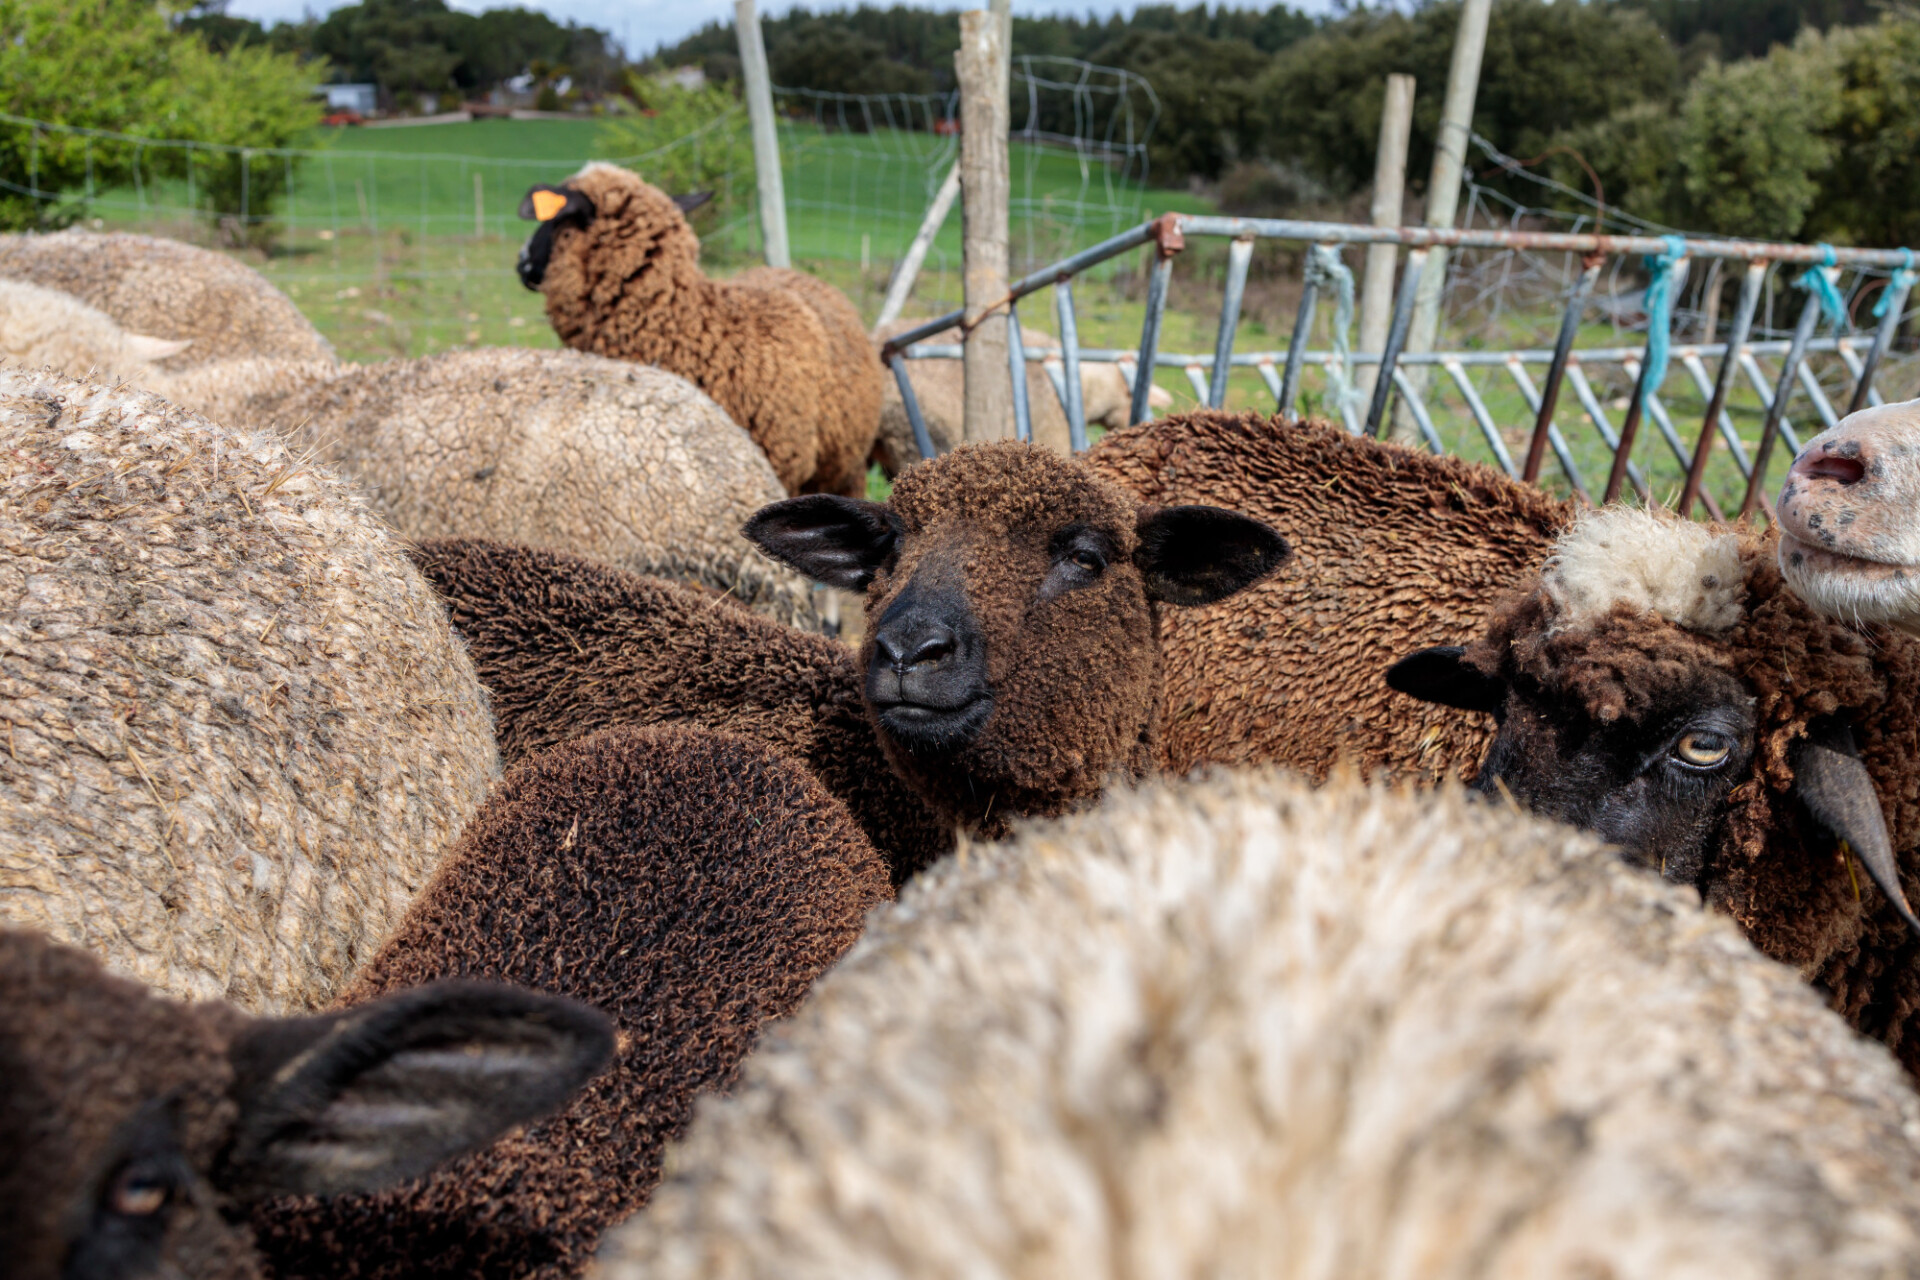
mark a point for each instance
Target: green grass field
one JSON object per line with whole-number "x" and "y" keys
{"x": 401, "y": 242}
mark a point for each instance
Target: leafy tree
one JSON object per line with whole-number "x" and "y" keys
{"x": 1547, "y": 68}
{"x": 1210, "y": 113}
{"x": 684, "y": 141}
{"x": 404, "y": 46}
{"x": 1731, "y": 29}
{"x": 821, "y": 55}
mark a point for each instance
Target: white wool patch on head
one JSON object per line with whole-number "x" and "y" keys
{"x": 1687, "y": 573}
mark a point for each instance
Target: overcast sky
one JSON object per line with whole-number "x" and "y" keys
{"x": 644, "y": 25}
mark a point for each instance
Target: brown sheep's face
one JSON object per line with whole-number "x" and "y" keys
{"x": 1012, "y": 654}
{"x": 133, "y": 1128}
{"x": 640, "y": 217}
{"x": 1850, "y": 519}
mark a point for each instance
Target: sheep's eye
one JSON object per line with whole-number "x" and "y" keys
{"x": 1700, "y": 749}
{"x": 138, "y": 1193}
{"x": 1088, "y": 559}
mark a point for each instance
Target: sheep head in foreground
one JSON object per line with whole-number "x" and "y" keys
{"x": 1662, "y": 686}
{"x": 1250, "y": 1028}
{"x": 132, "y": 1126}
{"x": 1012, "y": 658}
{"x": 1850, "y": 519}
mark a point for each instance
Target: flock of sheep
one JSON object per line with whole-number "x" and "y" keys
{"x": 553, "y": 897}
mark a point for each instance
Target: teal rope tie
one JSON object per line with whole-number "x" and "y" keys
{"x": 1902, "y": 279}
{"x": 1659, "y": 306}
{"x": 1818, "y": 279}
{"x": 1325, "y": 270}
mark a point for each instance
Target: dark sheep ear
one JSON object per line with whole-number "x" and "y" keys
{"x": 1197, "y": 555}
{"x": 1833, "y": 782}
{"x": 543, "y": 203}
{"x": 692, "y": 200}
{"x": 842, "y": 542}
{"x": 375, "y": 1095}
{"x": 1441, "y": 674}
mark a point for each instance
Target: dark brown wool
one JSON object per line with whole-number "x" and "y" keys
{"x": 81, "y": 1052}
{"x": 782, "y": 352}
{"x": 1786, "y": 886}
{"x": 566, "y": 646}
{"x": 692, "y": 886}
{"x": 1075, "y": 683}
{"x": 1395, "y": 549}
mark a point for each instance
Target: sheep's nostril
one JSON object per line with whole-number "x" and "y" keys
{"x": 933, "y": 648}
{"x": 1829, "y": 466}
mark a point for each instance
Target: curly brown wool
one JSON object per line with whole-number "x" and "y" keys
{"x": 566, "y": 646}
{"x": 1778, "y": 877}
{"x": 783, "y": 353}
{"x": 692, "y": 886}
{"x": 1396, "y": 549}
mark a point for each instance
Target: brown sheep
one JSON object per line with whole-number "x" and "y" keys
{"x": 1397, "y": 549}
{"x": 135, "y": 1130}
{"x": 1010, "y": 664}
{"x": 150, "y": 285}
{"x": 691, "y": 885}
{"x": 780, "y": 351}
{"x": 1659, "y": 683}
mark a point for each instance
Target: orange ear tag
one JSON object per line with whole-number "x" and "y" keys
{"x": 547, "y": 203}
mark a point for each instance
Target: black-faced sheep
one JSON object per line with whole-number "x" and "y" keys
{"x": 604, "y": 458}
{"x": 44, "y": 328}
{"x": 782, "y": 352}
{"x": 690, "y": 885}
{"x": 134, "y": 1131}
{"x": 1396, "y": 549}
{"x": 236, "y": 731}
{"x": 1250, "y": 1028}
{"x": 1010, "y": 663}
{"x": 1661, "y": 685}
{"x": 1850, "y": 519}
{"x": 168, "y": 290}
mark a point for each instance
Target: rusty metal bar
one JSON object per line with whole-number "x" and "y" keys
{"x": 1239, "y": 257}
{"x": 1897, "y": 290}
{"x": 1697, "y": 370}
{"x": 1736, "y": 338}
{"x": 1821, "y": 405}
{"x": 1763, "y": 390}
{"x": 1074, "y": 400}
{"x": 1757, "y": 482}
{"x": 1561, "y": 453}
{"x": 1481, "y": 418}
{"x": 1297, "y": 346}
{"x": 1562, "y": 349}
{"x": 1396, "y": 339}
{"x": 1598, "y": 416}
{"x": 1629, "y": 432}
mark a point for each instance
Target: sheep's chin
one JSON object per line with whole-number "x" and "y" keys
{"x": 1850, "y": 588}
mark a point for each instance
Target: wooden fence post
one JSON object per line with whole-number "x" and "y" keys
{"x": 766, "y": 145}
{"x": 981, "y": 66}
{"x": 1389, "y": 187}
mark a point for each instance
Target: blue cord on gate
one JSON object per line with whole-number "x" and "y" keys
{"x": 1325, "y": 270}
{"x": 1659, "y": 306}
{"x": 1817, "y": 279}
{"x": 1903, "y": 278}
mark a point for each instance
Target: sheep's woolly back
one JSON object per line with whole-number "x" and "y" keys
{"x": 1247, "y": 1028}
{"x": 1394, "y": 550}
{"x": 1649, "y": 562}
{"x": 168, "y": 289}
{"x": 46, "y": 328}
{"x": 690, "y": 885}
{"x": 235, "y": 728}
{"x": 605, "y": 458}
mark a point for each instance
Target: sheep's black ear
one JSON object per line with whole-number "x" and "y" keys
{"x": 1833, "y": 782}
{"x": 842, "y": 542}
{"x": 692, "y": 200}
{"x": 543, "y": 203}
{"x": 374, "y": 1095}
{"x": 1441, "y": 674}
{"x": 1197, "y": 555}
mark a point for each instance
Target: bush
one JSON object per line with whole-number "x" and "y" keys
{"x": 1209, "y": 110}
{"x": 683, "y": 141}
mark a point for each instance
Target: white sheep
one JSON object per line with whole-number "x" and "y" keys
{"x": 46, "y": 328}
{"x": 1247, "y": 1028}
{"x": 236, "y": 730}
{"x": 621, "y": 462}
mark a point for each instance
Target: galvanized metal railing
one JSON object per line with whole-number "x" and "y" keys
{"x": 1563, "y": 366}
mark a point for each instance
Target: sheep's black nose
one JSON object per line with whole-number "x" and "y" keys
{"x": 914, "y": 642}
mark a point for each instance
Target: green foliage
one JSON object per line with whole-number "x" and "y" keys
{"x": 411, "y": 47}
{"x": 1751, "y": 149}
{"x": 684, "y": 141}
{"x": 1209, "y": 112}
{"x": 1871, "y": 194}
{"x": 819, "y": 54}
{"x": 118, "y": 65}
{"x": 1729, "y": 29}
{"x": 1547, "y": 68}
